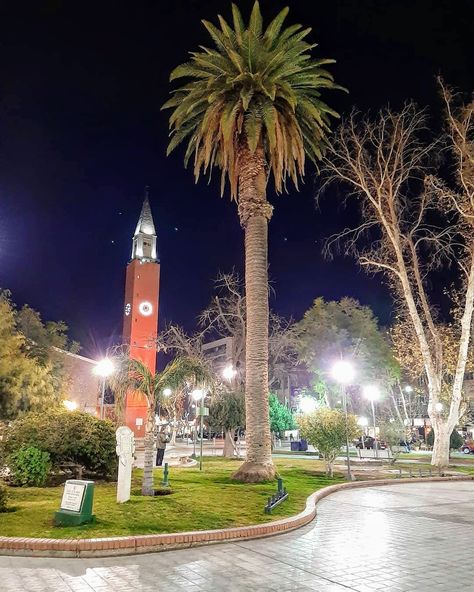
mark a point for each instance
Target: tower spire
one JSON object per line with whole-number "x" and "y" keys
{"x": 144, "y": 238}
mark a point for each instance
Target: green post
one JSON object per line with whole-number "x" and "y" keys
{"x": 165, "y": 481}
{"x": 280, "y": 485}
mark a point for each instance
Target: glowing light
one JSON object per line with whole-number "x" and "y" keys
{"x": 438, "y": 407}
{"x": 145, "y": 308}
{"x": 104, "y": 368}
{"x": 197, "y": 394}
{"x": 167, "y": 392}
{"x": 343, "y": 372}
{"x": 70, "y": 405}
{"x": 307, "y": 405}
{"x": 371, "y": 392}
{"x": 408, "y": 389}
{"x": 228, "y": 373}
{"x": 363, "y": 422}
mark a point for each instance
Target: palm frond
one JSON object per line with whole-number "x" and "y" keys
{"x": 256, "y": 87}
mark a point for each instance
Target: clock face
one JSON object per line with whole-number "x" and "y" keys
{"x": 145, "y": 308}
{"x": 128, "y": 309}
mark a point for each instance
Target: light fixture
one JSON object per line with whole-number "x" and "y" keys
{"x": 438, "y": 407}
{"x": 145, "y": 308}
{"x": 363, "y": 422}
{"x": 167, "y": 392}
{"x": 197, "y": 394}
{"x": 307, "y": 404}
{"x": 408, "y": 389}
{"x": 104, "y": 368}
{"x": 343, "y": 372}
{"x": 371, "y": 392}
{"x": 229, "y": 372}
{"x": 70, "y": 405}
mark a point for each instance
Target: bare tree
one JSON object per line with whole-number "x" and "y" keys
{"x": 385, "y": 163}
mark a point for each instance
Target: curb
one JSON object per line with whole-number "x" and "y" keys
{"x": 131, "y": 545}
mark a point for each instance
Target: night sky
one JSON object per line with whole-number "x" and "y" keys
{"x": 81, "y": 134}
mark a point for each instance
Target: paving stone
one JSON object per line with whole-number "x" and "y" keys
{"x": 395, "y": 539}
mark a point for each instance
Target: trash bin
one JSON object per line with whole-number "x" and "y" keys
{"x": 303, "y": 445}
{"x": 295, "y": 446}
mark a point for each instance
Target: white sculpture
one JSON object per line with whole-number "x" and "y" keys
{"x": 125, "y": 450}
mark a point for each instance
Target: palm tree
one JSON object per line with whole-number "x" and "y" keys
{"x": 134, "y": 377}
{"x": 251, "y": 106}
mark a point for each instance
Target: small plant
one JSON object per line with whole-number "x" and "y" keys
{"x": 29, "y": 466}
{"x": 3, "y": 498}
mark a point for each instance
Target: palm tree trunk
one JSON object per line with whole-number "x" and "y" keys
{"x": 147, "y": 483}
{"x": 255, "y": 212}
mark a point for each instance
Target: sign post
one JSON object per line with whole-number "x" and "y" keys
{"x": 76, "y": 504}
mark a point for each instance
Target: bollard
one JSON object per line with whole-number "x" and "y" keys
{"x": 165, "y": 482}
{"x": 280, "y": 484}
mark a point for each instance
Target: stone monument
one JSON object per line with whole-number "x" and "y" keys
{"x": 125, "y": 450}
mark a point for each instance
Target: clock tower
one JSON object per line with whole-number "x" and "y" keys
{"x": 140, "y": 315}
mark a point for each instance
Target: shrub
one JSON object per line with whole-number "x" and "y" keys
{"x": 73, "y": 437}
{"x": 29, "y": 466}
{"x": 326, "y": 430}
{"x": 455, "y": 440}
{"x": 3, "y": 498}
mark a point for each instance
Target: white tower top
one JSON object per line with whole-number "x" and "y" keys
{"x": 144, "y": 239}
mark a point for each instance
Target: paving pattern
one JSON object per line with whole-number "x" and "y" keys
{"x": 395, "y": 539}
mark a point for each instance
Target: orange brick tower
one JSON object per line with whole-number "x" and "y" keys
{"x": 140, "y": 321}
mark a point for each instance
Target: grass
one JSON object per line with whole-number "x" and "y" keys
{"x": 200, "y": 501}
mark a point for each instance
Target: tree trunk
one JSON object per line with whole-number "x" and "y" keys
{"x": 147, "y": 483}
{"x": 229, "y": 448}
{"x": 174, "y": 429}
{"x": 255, "y": 212}
{"x": 440, "y": 456}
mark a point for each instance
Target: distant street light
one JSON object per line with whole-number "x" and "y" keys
{"x": 363, "y": 422}
{"x": 70, "y": 405}
{"x": 372, "y": 393}
{"x": 104, "y": 369}
{"x": 229, "y": 372}
{"x": 343, "y": 372}
{"x": 438, "y": 407}
{"x": 167, "y": 392}
{"x": 408, "y": 389}
{"x": 307, "y": 404}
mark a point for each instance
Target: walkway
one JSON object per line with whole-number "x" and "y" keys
{"x": 396, "y": 539}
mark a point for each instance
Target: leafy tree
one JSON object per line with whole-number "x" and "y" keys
{"x": 133, "y": 378}
{"x": 345, "y": 328}
{"x": 227, "y": 412}
{"x": 325, "y": 429}
{"x": 249, "y": 106}
{"x": 281, "y": 418}
{"x": 393, "y": 433}
{"x": 26, "y": 383}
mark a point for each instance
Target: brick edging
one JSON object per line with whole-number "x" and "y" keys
{"x": 130, "y": 545}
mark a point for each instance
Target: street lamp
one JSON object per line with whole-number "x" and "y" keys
{"x": 104, "y": 369}
{"x": 372, "y": 393}
{"x": 70, "y": 405}
{"x": 229, "y": 372}
{"x": 343, "y": 372}
{"x": 307, "y": 405}
{"x": 438, "y": 407}
{"x": 198, "y": 395}
{"x": 408, "y": 389}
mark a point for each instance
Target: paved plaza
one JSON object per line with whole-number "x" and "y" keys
{"x": 397, "y": 538}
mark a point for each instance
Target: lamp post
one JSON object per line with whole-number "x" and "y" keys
{"x": 198, "y": 395}
{"x": 372, "y": 393}
{"x": 343, "y": 372}
{"x": 229, "y": 372}
{"x": 104, "y": 369}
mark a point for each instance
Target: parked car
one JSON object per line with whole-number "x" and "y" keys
{"x": 468, "y": 447}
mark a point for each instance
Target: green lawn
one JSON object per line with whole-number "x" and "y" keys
{"x": 200, "y": 501}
